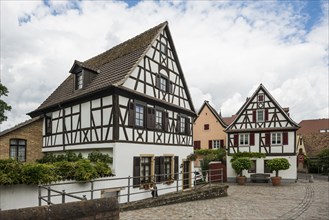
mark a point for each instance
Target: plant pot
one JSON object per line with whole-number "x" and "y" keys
{"x": 276, "y": 180}
{"x": 241, "y": 180}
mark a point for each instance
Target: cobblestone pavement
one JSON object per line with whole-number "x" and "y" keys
{"x": 301, "y": 200}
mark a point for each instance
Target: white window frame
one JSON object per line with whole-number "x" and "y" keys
{"x": 139, "y": 115}
{"x": 276, "y": 138}
{"x": 158, "y": 119}
{"x": 182, "y": 125}
{"x": 216, "y": 144}
{"x": 244, "y": 140}
{"x": 258, "y": 119}
{"x": 79, "y": 78}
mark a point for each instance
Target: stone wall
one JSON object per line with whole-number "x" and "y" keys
{"x": 102, "y": 209}
{"x": 32, "y": 133}
{"x": 202, "y": 192}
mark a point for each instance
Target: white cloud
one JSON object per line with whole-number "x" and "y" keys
{"x": 226, "y": 49}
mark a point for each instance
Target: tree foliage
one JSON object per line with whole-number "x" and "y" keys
{"x": 3, "y": 105}
{"x": 278, "y": 164}
{"x": 240, "y": 164}
{"x": 324, "y": 159}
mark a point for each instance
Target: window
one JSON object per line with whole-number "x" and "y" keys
{"x": 260, "y": 115}
{"x": 244, "y": 139}
{"x": 197, "y": 145}
{"x": 163, "y": 48}
{"x": 145, "y": 169}
{"x": 167, "y": 168}
{"x": 215, "y": 144}
{"x": 163, "y": 84}
{"x": 276, "y": 138}
{"x": 18, "y": 149}
{"x": 139, "y": 115}
{"x": 79, "y": 80}
{"x": 266, "y": 168}
{"x": 260, "y": 98}
{"x": 182, "y": 124}
{"x": 206, "y": 127}
{"x": 48, "y": 126}
{"x": 158, "y": 119}
{"x": 253, "y": 167}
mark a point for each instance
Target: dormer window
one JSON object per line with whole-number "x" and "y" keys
{"x": 261, "y": 98}
{"x": 79, "y": 80}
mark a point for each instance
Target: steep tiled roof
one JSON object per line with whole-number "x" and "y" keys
{"x": 229, "y": 120}
{"x": 20, "y": 125}
{"x": 214, "y": 112}
{"x": 112, "y": 66}
{"x": 314, "y": 143}
{"x": 313, "y": 126}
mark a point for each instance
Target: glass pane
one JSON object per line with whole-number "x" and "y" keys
{"x": 13, "y": 152}
{"x": 13, "y": 142}
{"x": 21, "y": 153}
{"x": 22, "y": 142}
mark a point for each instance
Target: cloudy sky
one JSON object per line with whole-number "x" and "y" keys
{"x": 226, "y": 48}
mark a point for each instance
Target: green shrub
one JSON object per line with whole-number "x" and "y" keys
{"x": 240, "y": 164}
{"x": 65, "y": 170}
{"x": 278, "y": 164}
{"x": 84, "y": 171}
{"x": 96, "y": 156}
{"x": 37, "y": 173}
{"x": 102, "y": 169}
{"x": 247, "y": 154}
{"x": 10, "y": 172}
{"x": 324, "y": 160}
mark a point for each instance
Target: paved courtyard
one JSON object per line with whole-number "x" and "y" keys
{"x": 301, "y": 200}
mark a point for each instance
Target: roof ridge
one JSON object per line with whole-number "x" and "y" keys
{"x": 109, "y": 51}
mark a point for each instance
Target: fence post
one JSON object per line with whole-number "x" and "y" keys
{"x": 128, "y": 196}
{"x": 49, "y": 195}
{"x": 39, "y": 193}
{"x": 63, "y": 196}
{"x": 177, "y": 179}
{"x": 92, "y": 190}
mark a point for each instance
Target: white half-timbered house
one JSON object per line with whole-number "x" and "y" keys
{"x": 132, "y": 102}
{"x": 263, "y": 126}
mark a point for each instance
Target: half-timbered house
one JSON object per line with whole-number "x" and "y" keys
{"x": 263, "y": 126}
{"x": 132, "y": 102}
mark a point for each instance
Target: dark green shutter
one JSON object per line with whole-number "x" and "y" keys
{"x": 157, "y": 170}
{"x": 136, "y": 172}
{"x": 176, "y": 168}
{"x": 131, "y": 114}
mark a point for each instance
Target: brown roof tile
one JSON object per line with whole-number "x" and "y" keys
{"x": 113, "y": 65}
{"x": 229, "y": 120}
{"x": 314, "y": 143}
{"x": 313, "y": 126}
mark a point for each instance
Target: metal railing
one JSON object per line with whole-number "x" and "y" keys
{"x": 49, "y": 193}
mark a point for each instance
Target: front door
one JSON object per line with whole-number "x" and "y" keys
{"x": 186, "y": 174}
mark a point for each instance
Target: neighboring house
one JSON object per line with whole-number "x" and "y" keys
{"x": 312, "y": 137}
{"x": 262, "y": 125}
{"x": 132, "y": 102}
{"x": 22, "y": 142}
{"x": 208, "y": 131}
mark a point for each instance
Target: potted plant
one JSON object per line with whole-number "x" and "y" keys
{"x": 240, "y": 164}
{"x": 278, "y": 164}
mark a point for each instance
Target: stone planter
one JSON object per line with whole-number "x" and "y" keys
{"x": 276, "y": 180}
{"x": 241, "y": 180}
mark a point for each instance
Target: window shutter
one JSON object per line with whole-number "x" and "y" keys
{"x": 236, "y": 140}
{"x": 136, "y": 172}
{"x": 176, "y": 167}
{"x": 178, "y": 124}
{"x": 197, "y": 145}
{"x": 252, "y": 139}
{"x": 157, "y": 81}
{"x": 266, "y": 114}
{"x": 221, "y": 143}
{"x": 254, "y": 115}
{"x": 170, "y": 84}
{"x": 157, "y": 171}
{"x": 285, "y": 138}
{"x": 210, "y": 144}
{"x": 161, "y": 169}
{"x": 166, "y": 121}
{"x": 131, "y": 115}
{"x": 150, "y": 118}
{"x": 267, "y": 139}
{"x": 187, "y": 126}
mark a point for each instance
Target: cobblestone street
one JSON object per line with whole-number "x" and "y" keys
{"x": 301, "y": 200}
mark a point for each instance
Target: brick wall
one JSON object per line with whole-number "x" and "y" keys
{"x": 32, "y": 133}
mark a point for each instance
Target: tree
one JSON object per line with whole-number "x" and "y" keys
{"x": 3, "y": 105}
{"x": 324, "y": 159}
{"x": 240, "y": 164}
{"x": 278, "y": 164}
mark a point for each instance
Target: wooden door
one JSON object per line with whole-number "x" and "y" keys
{"x": 186, "y": 174}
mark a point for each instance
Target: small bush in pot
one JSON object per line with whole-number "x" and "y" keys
{"x": 240, "y": 164}
{"x": 276, "y": 165}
